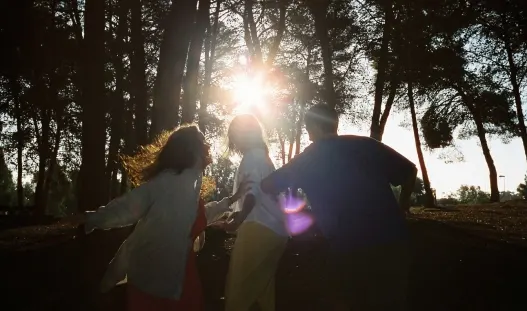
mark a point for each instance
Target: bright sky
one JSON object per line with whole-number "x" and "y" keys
{"x": 446, "y": 178}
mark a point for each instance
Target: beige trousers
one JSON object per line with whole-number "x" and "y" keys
{"x": 252, "y": 268}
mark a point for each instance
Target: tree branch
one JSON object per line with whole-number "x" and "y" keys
{"x": 283, "y": 4}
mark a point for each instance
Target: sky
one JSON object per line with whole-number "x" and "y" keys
{"x": 448, "y": 177}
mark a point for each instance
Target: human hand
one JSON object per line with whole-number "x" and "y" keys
{"x": 225, "y": 225}
{"x": 231, "y": 216}
{"x": 199, "y": 242}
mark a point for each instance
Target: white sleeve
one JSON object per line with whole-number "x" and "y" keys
{"x": 122, "y": 211}
{"x": 215, "y": 209}
{"x": 249, "y": 170}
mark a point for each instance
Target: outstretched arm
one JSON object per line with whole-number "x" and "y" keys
{"x": 290, "y": 174}
{"x": 216, "y": 209}
{"x": 248, "y": 204}
{"x": 121, "y": 212}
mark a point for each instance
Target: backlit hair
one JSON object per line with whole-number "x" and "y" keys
{"x": 175, "y": 150}
{"x": 324, "y": 117}
{"x": 246, "y": 127}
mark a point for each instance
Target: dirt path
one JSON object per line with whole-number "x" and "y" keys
{"x": 454, "y": 269}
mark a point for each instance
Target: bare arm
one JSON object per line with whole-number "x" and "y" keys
{"x": 216, "y": 209}
{"x": 248, "y": 204}
{"x": 290, "y": 174}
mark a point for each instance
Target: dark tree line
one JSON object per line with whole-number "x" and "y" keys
{"x": 84, "y": 82}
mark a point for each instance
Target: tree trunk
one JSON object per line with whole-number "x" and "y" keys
{"x": 92, "y": 190}
{"x": 291, "y": 143}
{"x": 172, "y": 59}
{"x": 53, "y": 158}
{"x": 124, "y": 181}
{"x": 375, "y": 130}
{"x": 115, "y": 142}
{"x": 319, "y": 10}
{"x": 202, "y": 110}
{"x": 493, "y": 174}
{"x": 139, "y": 89}
{"x": 117, "y": 109}
{"x": 247, "y": 35}
{"x": 429, "y": 196}
{"x": 306, "y": 86}
{"x": 43, "y": 158}
{"x": 15, "y": 88}
{"x": 388, "y": 105}
{"x": 282, "y": 148}
{"x": 517, "y": 97}
{"x": 40, "y": 206}
{"x": 253, "y": 32}
{"x": 115, "y": 185}
{"x": 299, "y": 124}
{"x": 210, "y": 53}
{"x": 282, "y": 7}
{"x": 129, "y": 145}
{"x": 190, "y": 93}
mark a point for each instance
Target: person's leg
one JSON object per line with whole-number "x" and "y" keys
{"x": 254, "y": 259}
{"x": 267, "y": 300}
{"x": 276, "y": 246}
{"x": 240, "y": 265}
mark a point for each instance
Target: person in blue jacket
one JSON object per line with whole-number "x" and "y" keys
{"x": 347, "y": 181}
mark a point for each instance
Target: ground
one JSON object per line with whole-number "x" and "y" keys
{"x": 464, "y": 258}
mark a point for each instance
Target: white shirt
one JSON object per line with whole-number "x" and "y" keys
{"x": 255, "y": 166}
{"x": 154, "y": 256}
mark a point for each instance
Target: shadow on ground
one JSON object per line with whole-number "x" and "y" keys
{"x": 452, "y": 270}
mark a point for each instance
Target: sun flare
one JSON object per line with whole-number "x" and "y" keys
{"x": 249, "y": 93}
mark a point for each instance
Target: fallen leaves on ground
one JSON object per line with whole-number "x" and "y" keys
{"x": 505, "y": 221}
{"x": 24, "y": 238}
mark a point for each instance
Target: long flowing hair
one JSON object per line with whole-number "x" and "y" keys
{"x": 246, "y": 128}
{"x": 175, "y": 150}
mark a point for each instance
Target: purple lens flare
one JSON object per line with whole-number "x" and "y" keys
{"x": 297, "y": 221}
{"x": 293, "y": 205}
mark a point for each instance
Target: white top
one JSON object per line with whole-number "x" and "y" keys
{"x": 154, "y": 256}
{"x": 256, "y": 165}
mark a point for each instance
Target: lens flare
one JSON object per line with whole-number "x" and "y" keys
{"x": 249, "y": 94}
{"x": 243, "y": 60}
{"x": 298, "y": 223}
{"x": 293, "y": 205}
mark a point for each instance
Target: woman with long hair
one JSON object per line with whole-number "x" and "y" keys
{"x": 158, "y": 260}
{"x": 259, "y": 221}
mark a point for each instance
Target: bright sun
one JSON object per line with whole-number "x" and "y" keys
{"x": 249, "y": 93}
